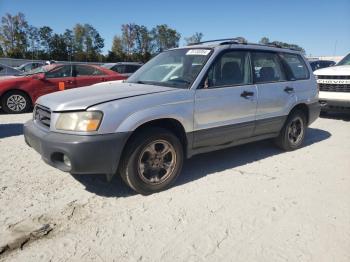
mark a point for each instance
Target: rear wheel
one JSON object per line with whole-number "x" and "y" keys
{"x": 15, "y": 102}
{"x": 152, "y": 161}
{"x": 293, "y": 132}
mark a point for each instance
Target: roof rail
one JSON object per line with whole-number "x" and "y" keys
{"x": 242, "y": 41}
{"x": 224, "y": 41}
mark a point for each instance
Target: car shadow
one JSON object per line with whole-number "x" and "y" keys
{"x": 8, "y": 130}
{"x": 201, "y": 165}
{"x": 337, "y": 116}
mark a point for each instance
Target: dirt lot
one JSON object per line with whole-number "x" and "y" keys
{"x": 249, "y": 203}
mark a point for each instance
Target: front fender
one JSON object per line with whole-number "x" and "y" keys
{"x": 182, "y": 112}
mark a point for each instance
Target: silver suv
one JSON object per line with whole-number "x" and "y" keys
{"x": 183, "y": 102}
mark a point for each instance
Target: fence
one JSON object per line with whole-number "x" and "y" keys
{"x": 13, "y": 62}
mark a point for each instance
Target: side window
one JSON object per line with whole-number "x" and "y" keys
{"x": 60, "y": 71}
{"x": 82, "y": 70}
{"x": 131, "y": 68}
{"x": 297, "y": 66}
{"x": 119, "y": 69}
{"x": 232, "y": 68}
{"x": 267, "y": 68}
{"x": 28, "y": 67}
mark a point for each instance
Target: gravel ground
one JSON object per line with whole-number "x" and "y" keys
{"x": 248, "y": 203}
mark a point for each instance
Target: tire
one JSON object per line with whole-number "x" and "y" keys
{"x": 293, "y": 131}
{"x": 16, "y": 102}
{"x": 146, "y": 167}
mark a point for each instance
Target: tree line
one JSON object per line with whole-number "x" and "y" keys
{"x": 19, "y": 39}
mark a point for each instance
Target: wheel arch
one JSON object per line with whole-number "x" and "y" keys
{"x": 303, "y": 108}
{"x": 171, "y": 124}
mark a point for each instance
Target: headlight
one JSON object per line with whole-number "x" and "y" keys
{"x": 79, "y": 121}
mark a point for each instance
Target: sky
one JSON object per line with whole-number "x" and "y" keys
{"x": 321, "y": 27}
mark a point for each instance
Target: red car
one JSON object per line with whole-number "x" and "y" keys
{"x": 19, "y": 93}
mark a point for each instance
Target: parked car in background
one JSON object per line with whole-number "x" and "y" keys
{"x": 18, "y": 94}
{"x": 124, "y": 68}
{"x": 319, "y": 64}
{"x": 334, "y": 86}
{"x": 8, "y": 71}
{"x": 183, "y": 102}
{"x": 26, "y": 67}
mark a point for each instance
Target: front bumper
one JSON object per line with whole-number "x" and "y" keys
{"x": 334, "y": 101}
{"x": 94, "y": 154}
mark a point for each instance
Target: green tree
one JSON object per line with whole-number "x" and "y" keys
{"x": 13, "y": 38}
{"x": 195, "y": 38}
{"x": 33, "y": 40}
{"x": 45, "y": 34}
{"x": 69, "y": 41}
{"x": 128, "y": 39}
{"x": 264, "y": 40}
{"x": 165, "y": 38}
{"x": 143, "y": 43}
{"x": 88, "y": 43}
{"x": 117, "y": 53}
{"x": 58, "y": 47}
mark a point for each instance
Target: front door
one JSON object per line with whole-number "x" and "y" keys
{"x": 225, "y": 105}
{"x": 57, "y": 79}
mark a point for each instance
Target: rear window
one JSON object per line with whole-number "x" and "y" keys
{"x": 296, "y": 65}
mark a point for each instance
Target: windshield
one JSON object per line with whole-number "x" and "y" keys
{"x": 345, "y": 60}
{"x": 176, "y": 68}
{"x": 38, "y": 70}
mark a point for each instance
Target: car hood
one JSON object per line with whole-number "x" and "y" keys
{"x": 334, "y": 70}
{"x": 82, "y": 98}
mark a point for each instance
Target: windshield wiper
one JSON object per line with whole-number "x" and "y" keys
{"x": 149, "y": 83}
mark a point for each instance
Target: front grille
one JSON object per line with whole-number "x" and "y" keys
{"x": 334, "y": 88}
{"x": 334, "y": 77}
{"x": 42, "y": 115}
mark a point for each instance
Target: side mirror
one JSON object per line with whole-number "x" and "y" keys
{"x": 39, "y": 76}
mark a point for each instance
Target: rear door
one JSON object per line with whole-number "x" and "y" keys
{"x": 86, "y": 75}
{"x": 276, "y": 93}
{"x": 225, "y": 105}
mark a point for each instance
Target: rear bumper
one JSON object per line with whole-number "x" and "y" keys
{"x": 314, "y": 112}
{"x": 97, "y": 154}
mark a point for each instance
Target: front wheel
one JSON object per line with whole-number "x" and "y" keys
{"x": 152, "y": 161}
{"x": 293, "y": 132}
{"x": 15, "y": 102}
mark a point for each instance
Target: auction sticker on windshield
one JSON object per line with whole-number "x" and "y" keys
{"x": 198, "y": 52}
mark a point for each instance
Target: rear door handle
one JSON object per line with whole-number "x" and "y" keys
{"x": 247, "y": 94}
{"x": 289, "y": 90}
{"x": 69, "y": 82}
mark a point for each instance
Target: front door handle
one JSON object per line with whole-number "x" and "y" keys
{"x": 69, "y": 82}
{"x": 247, "y": 94}
{"x": 289, "y": 90}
